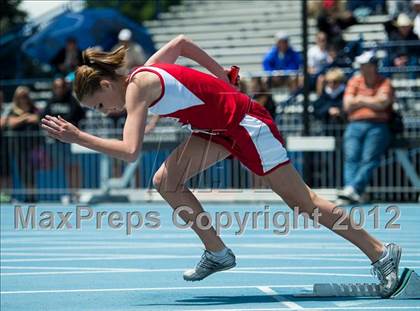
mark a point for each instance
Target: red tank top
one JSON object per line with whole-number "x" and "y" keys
{"x": 196, "y": 99}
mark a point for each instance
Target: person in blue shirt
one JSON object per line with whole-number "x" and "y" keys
{"x": 282, "y": 56}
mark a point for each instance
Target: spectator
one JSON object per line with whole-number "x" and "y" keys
{"x": 332, "y": 20}
{"x": 135, "y": 54}
{"x": 329, "y": 106}
{"x": 282, "y": 57}
{"x": 368, "y": 102}
{"x": 317, "y": 54}
{"x": 366, "y": 7}
{"x": 151, "y": 124}
{"x": 64, "y": 104}
{"x": 4, "y": 157}
{"x": 68, "y": 58}
{"x": 416, "y": 17}
{"x": 259, "y": 92}
{"x": 335, "y": 60}
{"x": 23, "y": 120}
{"x": 403, "y": 55}
{"x": 396, "y": 7}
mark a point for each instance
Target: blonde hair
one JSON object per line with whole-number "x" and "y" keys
{"x": 335, "y": 74}
{"x": 17, "y": 106}
{"x": 97, "y": 65}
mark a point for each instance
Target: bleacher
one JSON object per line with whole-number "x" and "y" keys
{"x": 242, "y": 33}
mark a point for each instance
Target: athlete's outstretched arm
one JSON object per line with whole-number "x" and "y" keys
{"x": 127, "y": 149}
{"x": 183, "y": 46}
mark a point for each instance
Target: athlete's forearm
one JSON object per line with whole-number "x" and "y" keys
{"x": 113, "y": 147}
{"x": 182, "y": 46}
{"x": 192, "y": 51}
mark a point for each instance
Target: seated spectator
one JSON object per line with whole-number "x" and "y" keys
{"x": 366, "y": 7}
{"x": 368, "y": 102}
{"x": 135, "y": 55}
{"x": 403, "y": 55}
{"x": 5, "y": 181}
{"x": 65, "y": 105}
{"x": 335, "y": 60}
{"x": 23, "y": 120}
{"x": 68, "y": 58}
{"x": 333, "y": 19}
{"x": 329, "y": 106}
{"x": 151, "y": 124}
{"x": 260, "y": 93}
{"x": 317, "y": 54}
{"x": 416, "y": 17}
{"x": 395, "y": 7}
{"x": 282, "y": 57}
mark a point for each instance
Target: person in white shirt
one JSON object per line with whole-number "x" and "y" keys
{"x": 416, "y": 17}
{"x": 135, "y": 54}
{"x": 317, "y": 54}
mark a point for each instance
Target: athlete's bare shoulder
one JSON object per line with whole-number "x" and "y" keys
{"x": 145, "y": 86}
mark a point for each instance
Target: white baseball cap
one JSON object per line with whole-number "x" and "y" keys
{"x": 281, "y": 35}
{"x": 125, "y": 35}
{"x": 368, "y": 57}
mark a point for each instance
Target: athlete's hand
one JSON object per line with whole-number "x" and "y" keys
{"x": 236, "y": 84}
{"x": 60, "y": 129}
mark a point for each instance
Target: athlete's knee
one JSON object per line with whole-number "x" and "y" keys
{"x": 164, "y": 181}
{"x": 157, "y": 179}
{"x": 313, "y": 196}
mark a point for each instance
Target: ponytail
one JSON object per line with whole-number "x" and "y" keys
{"x": 96, "y": 66}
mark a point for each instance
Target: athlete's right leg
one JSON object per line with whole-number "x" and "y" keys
{"x": 187, "y": 160}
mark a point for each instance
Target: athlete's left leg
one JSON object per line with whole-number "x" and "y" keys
{"x": 297, "y": 194}
{"x": 385, "y": 258}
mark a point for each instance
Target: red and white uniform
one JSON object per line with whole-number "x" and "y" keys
{"x": 216, "y": 111}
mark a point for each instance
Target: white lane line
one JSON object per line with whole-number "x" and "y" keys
{"x": 174, "y": 257}
{"x": 146, "y": 289}
{"x": 148, "y": 245}
{"x": 370, "y": 308}
{"x": 57, "y": 268}
{"x": 283, "y": 300}
{"x": 239, "y": 268}
{"x": 52, "y": 239}
{"x": 106, "y": 271}
{"x": 306, "y": 255}
{"x": 301, "y": 273}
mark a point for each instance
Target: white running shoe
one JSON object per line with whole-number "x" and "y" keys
{"x": 210, "y": 264}
{"x": 349, "y": 194}
{"x": 386, "y": 270}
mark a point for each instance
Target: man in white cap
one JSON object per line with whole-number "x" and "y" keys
{"x": 282, "y": 57}
{"x": 368, "y": 100}
{"x": 135, "y": 54}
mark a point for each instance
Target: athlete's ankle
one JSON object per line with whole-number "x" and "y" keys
{"x": 219, "y": 253}
{"x": 381, "y": 252}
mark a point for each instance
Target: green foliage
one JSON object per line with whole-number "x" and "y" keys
{"x": 137, "y": 10}
{"x": 10, "y": 15}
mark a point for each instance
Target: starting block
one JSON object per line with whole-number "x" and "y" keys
{"x": 408, "y": 288}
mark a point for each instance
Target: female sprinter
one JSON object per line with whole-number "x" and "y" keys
{"x": 223, "y": 121}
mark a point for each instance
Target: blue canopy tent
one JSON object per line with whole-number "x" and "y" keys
{"x": 90, "y": 27}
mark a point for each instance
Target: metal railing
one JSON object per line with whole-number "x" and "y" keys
{"x": 44, "y": 169}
